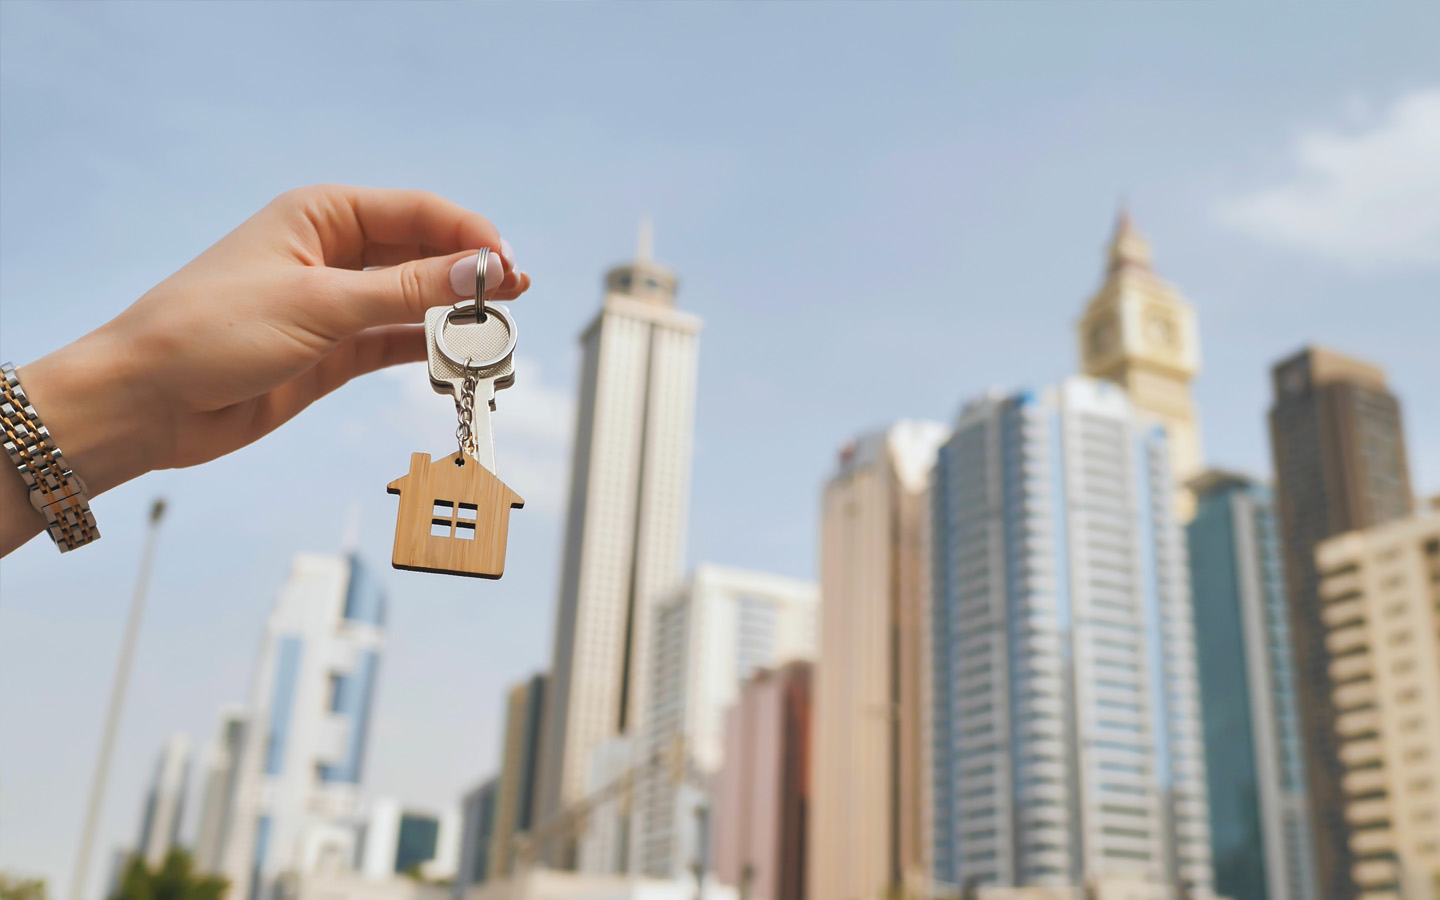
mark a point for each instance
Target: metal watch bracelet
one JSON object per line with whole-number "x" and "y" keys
{"x": 56, "y": 492}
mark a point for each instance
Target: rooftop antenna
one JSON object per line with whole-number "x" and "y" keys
{"x": 645, "y": 243}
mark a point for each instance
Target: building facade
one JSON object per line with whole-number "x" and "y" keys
{"x": 477, "y": 838}
{"x": 762, "y": 796}
{"x": 1379, "y": 593}
{"x": 1259, "y": 824}
{"x": 309, "y": 714}
{"x": 222, "y": 770}
{"x": 870, "y": 794}
{"x": 1066, "y": 711}
{"x": 164, "y": 802}
{"x": 1140, "y": 333}
{"x": 625, "y": 528}
{"x": 709, "y": 637}
{"x": 1339, "y": 453}
{"x": 515, "y": 786}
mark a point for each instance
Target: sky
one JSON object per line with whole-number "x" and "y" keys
{"x": 878, "y": 211}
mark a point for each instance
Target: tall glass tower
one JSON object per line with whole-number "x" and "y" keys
{"x": 625, "y": 531}
{"x": 1066, "y": 714}
{"x": 1259, "y": 825}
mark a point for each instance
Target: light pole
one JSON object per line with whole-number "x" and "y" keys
{"x": 117, "y": 700}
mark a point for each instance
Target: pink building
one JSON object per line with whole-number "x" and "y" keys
{"x": 762, "y": 794}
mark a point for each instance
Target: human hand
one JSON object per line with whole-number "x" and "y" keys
{"x": 278, "y": 313}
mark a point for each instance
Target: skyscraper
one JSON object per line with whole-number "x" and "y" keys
{"x": 869, "y": 792}
{"x": 1140, "y": 333}
{"x": 1340, "y": 465}
{"x": 1066, "y": 713}
{"x": 309, "y": 715}
{"x": 763, "y": 792}
{"x": 1380, "y": 600}
{"x": 164, "y": 802}
{"x": 477, "y": 839}
{"x": 625, "y": 530}
{"x": 519, "y": 766}
{"x": 709, "y": 637}
{"x": 1259, "y": 824}
{"x": 222, "y": 770}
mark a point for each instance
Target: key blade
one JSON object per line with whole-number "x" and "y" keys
{"x": 482, "y": 432}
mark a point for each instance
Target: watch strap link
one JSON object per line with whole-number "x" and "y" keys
{"x": 56, "y": 492}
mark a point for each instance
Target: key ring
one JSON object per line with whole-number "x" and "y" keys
{"x": 481, "y": 260}
{"x": 464, "y": 306}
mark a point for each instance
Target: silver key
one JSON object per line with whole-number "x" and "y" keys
{"x": 458, "y": 347}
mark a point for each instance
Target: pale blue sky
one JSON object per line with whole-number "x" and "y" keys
{"x": 878, "y": 210}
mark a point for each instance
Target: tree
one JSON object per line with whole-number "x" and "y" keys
{"x": 21, "y": 888}
{"x": 175, "y": 879}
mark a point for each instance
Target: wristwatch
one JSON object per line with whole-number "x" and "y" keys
{"x": 56, "y": 492}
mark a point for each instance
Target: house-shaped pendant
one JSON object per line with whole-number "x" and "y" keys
{"x": 454, "y": 517}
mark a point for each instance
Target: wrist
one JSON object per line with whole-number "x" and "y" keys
{"x": 90, "y": 400}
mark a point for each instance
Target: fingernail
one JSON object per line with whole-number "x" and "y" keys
{"x": 507, "y": 252}
{"x": 462, "y": 275}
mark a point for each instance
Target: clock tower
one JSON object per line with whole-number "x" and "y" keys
{"x": 1138, "y": 332}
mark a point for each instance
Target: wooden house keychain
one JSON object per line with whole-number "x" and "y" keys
{"x": 455, "y": 512}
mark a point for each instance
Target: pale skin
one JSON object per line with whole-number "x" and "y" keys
{"x": 275, "y": 315}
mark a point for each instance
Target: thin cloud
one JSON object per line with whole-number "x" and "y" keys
{"x": 1367, "y": 198}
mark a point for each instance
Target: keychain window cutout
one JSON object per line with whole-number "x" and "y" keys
{"x": 470, "y": 538}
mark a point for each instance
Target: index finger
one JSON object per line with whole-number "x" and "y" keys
{"x": 348, "y": 218}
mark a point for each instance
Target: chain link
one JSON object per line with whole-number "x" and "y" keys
{"x": 465, "y": 410}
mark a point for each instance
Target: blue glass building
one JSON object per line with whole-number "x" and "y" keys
{"x": 1259, "y": 830}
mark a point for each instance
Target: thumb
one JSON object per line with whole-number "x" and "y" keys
{"x": 398, "y": 294}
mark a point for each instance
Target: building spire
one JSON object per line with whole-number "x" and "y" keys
{"x": 645, "y": 242}
{"x": 1127, "y": 247}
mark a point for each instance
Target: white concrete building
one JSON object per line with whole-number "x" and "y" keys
{"x": 625, "y": 532}
{"x": 164, "y": 802}
{"x": 1066, "y": 709}
{"x": 309, "y": 713}
{"x": 709, "y": 637}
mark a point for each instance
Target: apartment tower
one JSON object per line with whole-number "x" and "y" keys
{"x": 1066, "y": 711}
{"x": 625, "y": 528}
{"x": 1339, "y": 453}
{"x": 1259, "y": 823}
{"x": 519, "y": 766}
{"x": 165, "y": 802}
{"x": 1140, "y": 333}
{"x": 1380, "y": 602}
{"x": 870, "y": 790}
{"x": 309, "y": 713}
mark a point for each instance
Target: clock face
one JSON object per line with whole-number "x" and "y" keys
{"x": 1161, "y": 330}
{"x": 1102, "y": 338}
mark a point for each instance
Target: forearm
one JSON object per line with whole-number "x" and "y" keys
{"x": 84, "y": 397}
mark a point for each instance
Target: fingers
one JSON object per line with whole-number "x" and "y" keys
{"x": 399, "y": 294}
{"x": 368, "y": 351}
{"x": 348, "y": 220}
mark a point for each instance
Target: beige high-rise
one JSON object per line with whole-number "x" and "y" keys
{"x": 1380, "y": 596}
{"x": 625, "y": 530}
{"x": 869, "y": 803}
{"x": 1140, "y": 333}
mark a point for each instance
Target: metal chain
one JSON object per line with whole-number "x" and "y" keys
{"x": 465, "y": 410}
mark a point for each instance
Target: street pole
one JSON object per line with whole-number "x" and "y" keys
{"x": 117, "y": 700}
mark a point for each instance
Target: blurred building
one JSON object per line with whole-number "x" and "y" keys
{"x": 763, "y": 792}
{"x": 397, "y": 839}
{"x": 869, "y": 789}
{"x": 218, "y": 780}
{"x": 708, "y": 638}
{"x": 1379, "y": 596}
{"x": 605, "y": 834}
{"x": 1259, "y": 824}
{"x": 625, "y": 532}
{"x": 515, "y": 790}
{"x": 548, "y": 884}
{"x": 164, "y": 802}
{"x": 477, "y": 838}
{"x": 1066, "y": 717}
{"x": 1140, "y": 333}
{"x": 309, "y": 712}
{"x": 1340, "y": 465}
